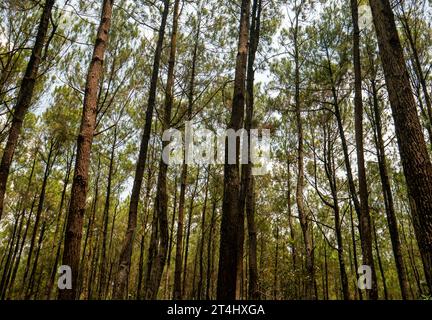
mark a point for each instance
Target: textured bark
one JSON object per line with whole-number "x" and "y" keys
{"x": 364, "y": 218}
{"x": 232, "y": 225}
{"x": 412, "y": 147}
{"x": 418, "y": 71}
{"x": 122, "y": 277}
{"x": 72, "y": 244}
{"x": 23, "y": 103}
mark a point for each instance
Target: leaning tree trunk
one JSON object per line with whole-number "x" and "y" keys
{"x": 412, "y": 147}
{"x": 72, "y": 244}
{"x": 25, "y": 95}
{"x": 232, "y": 222}
{"x": 126, "y": 253}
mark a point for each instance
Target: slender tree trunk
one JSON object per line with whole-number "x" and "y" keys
{"x": 209, "y": 251}
{"x": 57, "y": 241}
{"x": 39, "y": 210}
{"x": 103, "y": 264}
{"x": 365, "y": 220}
{"x": 15, "y": 270}
{"x": 354, "y": 243}
{"x": 202, "y": 239}
{"x": 126, "y": 252}
{"x": 276, "y": 264}
{"x": 171, "y": 239}
{"x": 22, "y": 208}
{"x": 380, "y": 265}
{"x": 23, "y": 103}
{"x": 161, "y": 202}
{"x": 331, "y": 176}
{"x": 388, "y": 196}
{"x": 302, "y": 212}
{"x": 88, "y": 240}
{"x": 188, "y": 232}
{"x": 72, "y": 244}
{"x": 177, "y": 290}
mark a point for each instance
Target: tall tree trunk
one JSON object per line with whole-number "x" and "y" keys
{"x": 247, "y": 181}
{"x": 210, "y": 252}
{"x": 365, "y": 220}
{"x": 15, "y": 270}
{"x": 380, "y": 265}
{"x": 232, "y": 225}
{"x": 412, "y": 147}
{"x": 177, "y": 290}
{"x": 161, "y": 202}
{"x": 329, "y": 163}
{"x": 105, "y": 218}
{"x": 72, "y": 244}
{"x": 365, "y": 237}
{"x": 354, "y": 243}
{"x": 171, "y": 239}
{"x": 188, "y": 232}
{"x": 302, "y": 212}
{"x": 387, "y": 194}
{"x": 126, "y": 252}
{"x": 23, "y": 103}
{"x": 202, "y": 239}
{"x": 57, "y": 241}
{"x": 88, "y": 240}
{"x": 21, "y": 208}
{"x": 39, "y": 210}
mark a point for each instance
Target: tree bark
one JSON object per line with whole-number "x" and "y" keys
{"x": 412, "y": 147}
{"x": 232, "y": 225}
{"x": 72, "y": 244}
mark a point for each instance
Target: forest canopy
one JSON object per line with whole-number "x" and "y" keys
{"x": 299, "y": 135}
